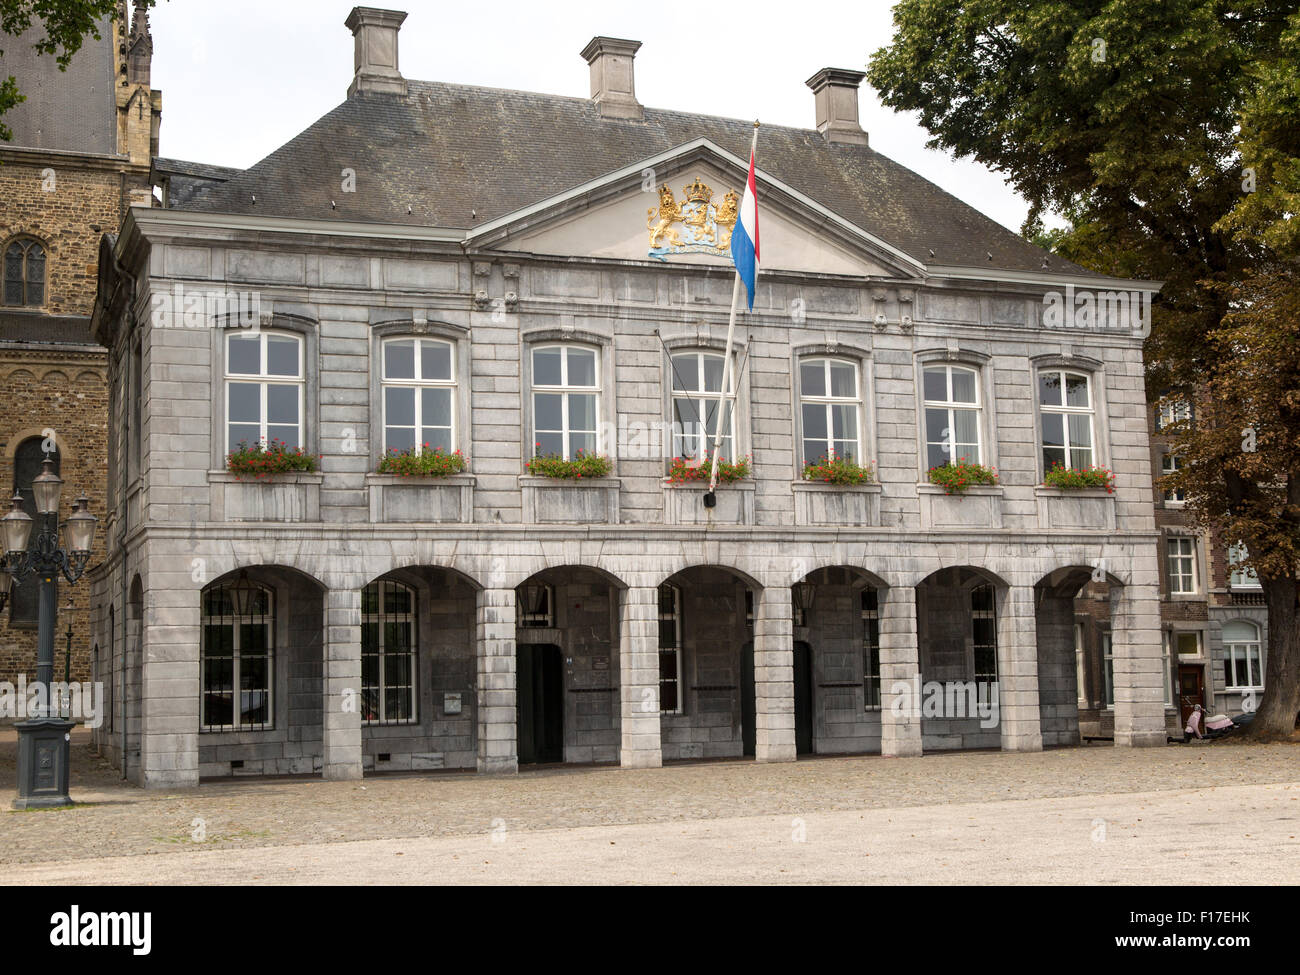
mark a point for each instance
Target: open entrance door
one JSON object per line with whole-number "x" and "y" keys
{"x": 803, "y": 699}
{"x": 541, "y": 704}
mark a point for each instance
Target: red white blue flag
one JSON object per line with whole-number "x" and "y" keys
{"x": 744, "y": 238}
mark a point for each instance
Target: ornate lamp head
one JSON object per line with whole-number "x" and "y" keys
{"x": 79, "y": 533}
{"x": 16, "y": 528}
{"x": 46, "y": 488}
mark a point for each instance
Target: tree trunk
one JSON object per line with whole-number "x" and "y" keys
{"x": 1280, "y": 704}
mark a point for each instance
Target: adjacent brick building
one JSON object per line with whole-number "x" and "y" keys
{"x": 81, "y": 153}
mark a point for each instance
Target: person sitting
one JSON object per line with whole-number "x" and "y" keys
{"x": 1193, "y": 725}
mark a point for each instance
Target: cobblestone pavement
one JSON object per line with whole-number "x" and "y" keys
{"x": 1248, "y": 832}
{"x": 114, "y": 820}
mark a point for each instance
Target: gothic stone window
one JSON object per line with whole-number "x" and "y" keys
{"x": 24, "y": 273}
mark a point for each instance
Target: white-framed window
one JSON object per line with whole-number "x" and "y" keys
{"x": 566, "y": 400}
{"x": 670, "y": 649}
{"x": 1240, "y": 577}
{"x": 1243, "y": 659}
{"x": 1181, "y": 562}
{"x": 1066, "y": 415}
{"x": 952, "y": 415}
{"x": 984, "y": 633}
{"x": 388, "y": 653}
{"x": 1188, "y": 643}
{"x": 419, "y": 394}
{"x": 264, "y": 389}
{"x": 535, "y": 605}
{"x": 830, "y": 401}
{"x": 1173, "y": 410}
{"x": 1108, "y": 668}
{"x": 871, "y": 649}
{"x": 697, "y": 381}
{"x": 1171, "y": 464}
{"x": 237, "y": 657}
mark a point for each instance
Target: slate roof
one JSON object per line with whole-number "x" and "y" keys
{"x": 460, "y": 156}
{"x": 185, "y": 180}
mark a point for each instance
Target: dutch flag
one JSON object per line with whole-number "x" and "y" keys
{"x": 744, "y": 238}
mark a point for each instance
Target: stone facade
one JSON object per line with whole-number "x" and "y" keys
{"x": 546, "y": 625}
{"x": 59, "y": 186}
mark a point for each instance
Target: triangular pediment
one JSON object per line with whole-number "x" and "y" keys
{"x": 679, "y": 208}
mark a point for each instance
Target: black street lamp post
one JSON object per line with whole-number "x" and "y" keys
{"x": 43, "y": 739}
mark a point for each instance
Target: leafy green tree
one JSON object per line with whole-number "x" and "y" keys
{"x": 1166, "y": 132}
{"x": 64, "y": 25}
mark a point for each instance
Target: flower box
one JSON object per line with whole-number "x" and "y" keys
{"x": 847, "y": 505}
{"x": 279, "y": 497}
{"x": 978, "y": 506}
{"x": 425, "y": 500}
{"x": 1085, "y": 508}
{"x": 570, "y": 501}
{"x": 684, "y": 503}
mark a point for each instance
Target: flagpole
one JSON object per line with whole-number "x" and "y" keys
{"x": 726, "y": 392}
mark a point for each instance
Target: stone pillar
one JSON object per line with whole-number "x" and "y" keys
{"x": 1018, "y": 671}
{"x": 638, "y": 666}
{"x": 774, "y": 739}
{"x": 1135, "y": 644}
{"x": 900, "y": 674}
{"x": 341, "y": 686}
{"x": 498, "y": 732}
{"x": 168, "y": 650}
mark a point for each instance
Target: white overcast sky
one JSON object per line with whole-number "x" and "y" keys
{"x": 240, "y": 78}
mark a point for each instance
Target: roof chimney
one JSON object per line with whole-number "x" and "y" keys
{"x": 375, "y": 59}
{"x": 836, "y": 91}
{"x": 611, "y": 76}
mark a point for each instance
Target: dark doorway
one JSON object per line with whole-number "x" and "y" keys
{"x": 803, "y": 699}
{"x": 747, "y": 723}
{"x": 541, "y": 704}
{"x": 1191, "y": 692}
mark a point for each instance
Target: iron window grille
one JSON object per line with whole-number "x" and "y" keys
{"x": 238, "y": 657}
{"x": 871, "y": 649}
{"x": 389, "y": 650}
{"x": 670, "y": 649}
{"x": 984, "y": 633}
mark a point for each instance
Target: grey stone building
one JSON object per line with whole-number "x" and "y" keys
{"x": 509, "y": 274}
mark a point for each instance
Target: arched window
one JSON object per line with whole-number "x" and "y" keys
{"x": 1243, "y": 662}
{"x": 24, "y": 272}
{"x": 419, "y": 381}
{"x": 697, "y": 381}
{"x": 24, "y": 609}
{"x": 237, "y": 657}
{"x": 566, "y": 401}
{"x": 1066, "y": 411}
{"x": 264, "y": 389}
{"x": 388, "y": 653}
{"x": 829, "y": 406}
{"x": 952, "y": 415}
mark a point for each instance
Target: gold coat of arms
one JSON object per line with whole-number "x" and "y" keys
{"x": 697, "y": 225}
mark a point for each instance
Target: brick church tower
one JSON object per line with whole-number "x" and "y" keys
{"x": 82, "y": 147}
